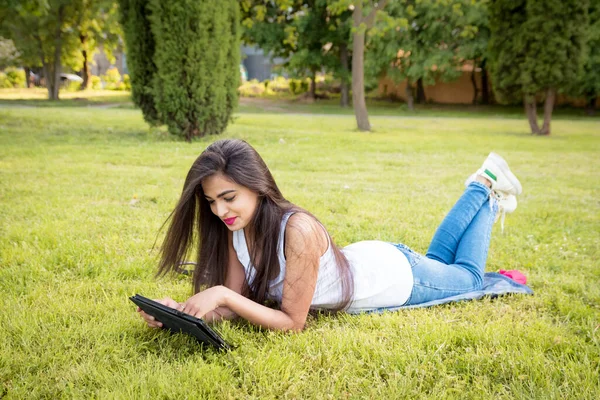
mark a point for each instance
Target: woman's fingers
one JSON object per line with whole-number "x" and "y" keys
{"x": 169, "y": 302}
{"x": 193, "y": 310}
{"x": 187, "y": 308}
{"x": 150, "y": 320}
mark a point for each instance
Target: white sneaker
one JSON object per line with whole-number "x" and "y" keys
{"x": 505, "y": 185}
{"x": 507, "y": 203}
{"x": 495, "y": 169}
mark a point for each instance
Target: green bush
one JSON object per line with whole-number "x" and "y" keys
{"x": 4, "y": 81}
{"x": 328, "y": 84}
{"x": 252, "y": 88}
{"x": 96, "y": 82}
{"x": 298, "y": 86}
{"x": 111, "y": 79}
{"x": 127, "y": 82}
{"x": 72, "y": 86}
{"x": 304, "y": 86}
{"x": 279, "y": 84}
{"x": 294, "y": 86}
{"x": 16, "y": 77}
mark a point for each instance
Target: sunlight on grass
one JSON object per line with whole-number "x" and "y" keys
{"x": 73, "y": 247}
{"x": 42, "y": 93}
{"x": 38, "y": 97}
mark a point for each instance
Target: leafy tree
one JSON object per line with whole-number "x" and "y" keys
{"x": 268, "y": 24}
{"x": 97, "y": 25}
{"x": 321, "y": 43}
{"x": 305, "y": 33}
{"x": 140, "y": 44}
{"x": 197, "y": 57}
{"x": 473, "y": 44}
{"x": 364, "y": 14}
{"x": 282, "y": 29}
{"x": 339, "y": 36}
{"x": 44, "y": 31}
{"x": 425, "y": 41}
{"x": 537, "y": 50}
{"x": 9, "y": 55}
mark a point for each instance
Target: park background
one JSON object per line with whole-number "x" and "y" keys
{"x": 93, "y": 155}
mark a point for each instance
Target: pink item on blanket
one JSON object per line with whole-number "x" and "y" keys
{"x": 515, "y": 275}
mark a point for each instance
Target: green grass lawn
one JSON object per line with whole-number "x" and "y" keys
{"x": 38, "y": 97}
{"x": 73, "y": 247}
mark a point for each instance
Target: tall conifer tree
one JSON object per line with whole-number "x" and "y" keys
{"x": 140, "y": 55}
{"x": 588, "y": 84}
{"x": 197, "y": 55}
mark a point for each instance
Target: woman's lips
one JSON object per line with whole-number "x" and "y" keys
{"x": 229, "y": 221}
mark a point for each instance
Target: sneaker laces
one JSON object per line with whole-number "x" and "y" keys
{"x": 501, "y": 214}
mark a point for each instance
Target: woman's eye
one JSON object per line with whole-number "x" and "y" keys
{"x": 229, "y": 199}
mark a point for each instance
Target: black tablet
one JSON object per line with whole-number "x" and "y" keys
{"x": 175, "y": 321}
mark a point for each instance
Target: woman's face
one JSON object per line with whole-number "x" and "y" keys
{"x": 234, "y": 204}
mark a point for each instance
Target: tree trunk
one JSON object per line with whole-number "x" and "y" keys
{"x": 474, "y": 83}
{"x": 530, "y": 110}
{"x": 410, "y": 101}
{"x": 548, "y": 107}
{"x": 313, "y": 85}
{"x": 359, "y": 24}
{"x": 421, "y": 99}
{"x": 345, "y": 94}
{"x": 344, "y": 89}
{"x": 358, "y": 78}
{"x": 52, "y": 69}
{"x": 485, "y": 86}
{"x": 590, "y": 108}
{"x": 85, "y": 71}
{"x": 27, "y": 76}
{"x": 52, "y": 73}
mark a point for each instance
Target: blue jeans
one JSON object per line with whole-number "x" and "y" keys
{"x": 455, "y": 261}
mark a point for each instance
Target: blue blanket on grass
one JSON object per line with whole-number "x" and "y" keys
{"x": 494, "y": 285}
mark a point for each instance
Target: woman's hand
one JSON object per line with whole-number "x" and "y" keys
{"x": 206, "y": 301}
{"x": 150, "y": 320}
{"x": 219, "y": 314}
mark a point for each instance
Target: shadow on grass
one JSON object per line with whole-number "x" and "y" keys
{"x": 265, "y": 105}
{"x": 378, "y": 107}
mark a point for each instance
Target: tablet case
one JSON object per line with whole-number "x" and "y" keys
{"x": 175, "y": 321}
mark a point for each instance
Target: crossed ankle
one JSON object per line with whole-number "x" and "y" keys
{"x": 483, "y": 180}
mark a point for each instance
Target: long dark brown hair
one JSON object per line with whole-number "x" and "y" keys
{"x": 192, "y": 223}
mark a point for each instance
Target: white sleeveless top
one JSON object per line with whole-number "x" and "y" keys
{"x": 382, "y": 274}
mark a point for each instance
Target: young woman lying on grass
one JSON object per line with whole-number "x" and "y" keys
{"x": 254, "y": 246}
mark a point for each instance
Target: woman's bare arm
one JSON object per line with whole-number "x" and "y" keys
{"x": 306, "y": 241}
{"x": 234, "y": 280}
